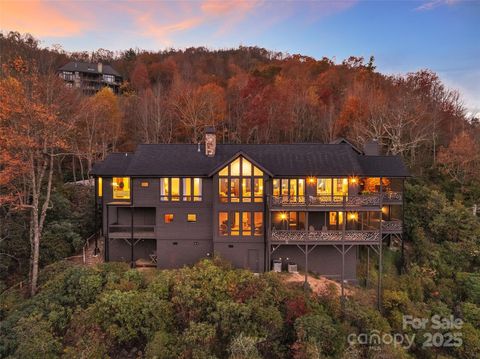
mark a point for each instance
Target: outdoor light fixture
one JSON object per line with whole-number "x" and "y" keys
{"x": 353, "y": 180}
{"x": 311, "y": 179}
{"x": 283, "y": 216}
{"x": 353, "y": 216}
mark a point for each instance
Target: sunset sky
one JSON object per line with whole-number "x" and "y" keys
{"x": 404, "y": 36}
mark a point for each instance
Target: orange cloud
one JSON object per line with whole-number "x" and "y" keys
{"x": 40, "y": 18}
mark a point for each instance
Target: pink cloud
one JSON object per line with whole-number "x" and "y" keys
{"x": 40, "y": 18}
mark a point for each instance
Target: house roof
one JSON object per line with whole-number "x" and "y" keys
{"x": 279, "y": 159}
{"x": 89, "y": 68}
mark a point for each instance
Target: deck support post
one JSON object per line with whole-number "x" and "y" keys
{"x": 305, "y": 284}
{"x": 367, "y": 276}
{"x": 132, "y": 262}
{"x": 342, "y": 297}
{"x": 95, "y": 217}
{"x": 380, "y": 272}
{"x": 106, "y": 238}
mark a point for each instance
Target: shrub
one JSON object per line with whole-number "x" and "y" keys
{"x": 318, "y": 328}
{"x": 162, "y": 346}
{"x": 244, "y": 347}
{"x": 36, "y": 339}
{"x": 132, "y": 316}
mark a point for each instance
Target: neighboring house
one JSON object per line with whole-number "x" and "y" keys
{"x": 89, "y": 77}
{"x": 309, "y": 204}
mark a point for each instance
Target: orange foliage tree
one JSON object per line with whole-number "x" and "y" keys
{"x": 461, "y": 159}
{"x": 33, "y": 130}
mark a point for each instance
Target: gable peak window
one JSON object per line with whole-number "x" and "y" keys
{"x": 240, "y": 181}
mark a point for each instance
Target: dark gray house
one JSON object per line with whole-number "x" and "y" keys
{"x": 89, "y": 77}
{"x": 170, "y": 205}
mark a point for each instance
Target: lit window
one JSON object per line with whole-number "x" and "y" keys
{"x": 258, "y": 189}
{"x": 258, "y": 222}
{"x": 235, "y": 167}
{"x": 144, "y": 184}
{"x": 257, "y": 172}
{"x": 168, "y": 218}
{"x": 246, "y": 168}
{"x": 292, "y": 189}
{"x": 235, "y": 190}
{"x": 240, "y": 181}
{"x": 340, "y": 186}
{"x": 175, "y": 189}
{"x": 197, "y": 189}
{"x": 235, "y": 225}
{"x": 100, "y": 187}
{"x": 336, "y": 218}
{"x": 224, "y": 172}
{"x": 121, "y": 187}
{"x": 246, "y": 190}
{"x": 191, "y": 217}
{"x": 223, "y": 223}
{"x": 164, "y": 189}
{"x": 223, "y": 189}
{"x": 324, "y": 186}
{"x": 187, "y": 189}
{"x": 276, "y": 187}
{"x": 246, "y": 224}
{"x": 301, "y": 188}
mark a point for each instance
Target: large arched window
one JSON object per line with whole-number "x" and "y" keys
{"x": 240, "y": 181}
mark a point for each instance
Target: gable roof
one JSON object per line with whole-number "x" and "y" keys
{"x": 89, "y": 67}
{"x": 235, "y": 156}
{"x": 343, "y": 140}
{"x": 279, "y": 159}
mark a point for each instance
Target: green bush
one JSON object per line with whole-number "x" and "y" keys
{"x": 36, "y": 339}
{"x": 318, "y": 328}
{"x": 132, "y": 316}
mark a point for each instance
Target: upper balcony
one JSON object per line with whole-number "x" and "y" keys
{"x": 371, "y": 200}
{"x": 366, "y": 236}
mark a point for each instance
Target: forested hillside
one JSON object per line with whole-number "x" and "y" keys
{"x": 50, "y": 136}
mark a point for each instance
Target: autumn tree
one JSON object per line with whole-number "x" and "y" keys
{"x": 99, "y": 126}
{"x": 33, "y": 130}
{"x": 197, "y": 107}
{"x": 461, "y": 159}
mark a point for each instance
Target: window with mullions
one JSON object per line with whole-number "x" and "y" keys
{"x": 240, "y": 224}
{"x": 291, "y": 189}
{"x": 240, "y": 181}
{"x": 329, "y": 186}
{"x": 189, "y": 188}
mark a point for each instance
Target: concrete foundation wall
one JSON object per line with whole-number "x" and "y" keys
{"x": 172, "y": 253}
{"x": 243, "y": 255}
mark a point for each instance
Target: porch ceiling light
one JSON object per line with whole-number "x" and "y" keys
{"x": 311, "y": 179}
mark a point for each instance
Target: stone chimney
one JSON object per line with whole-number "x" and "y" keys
{"x": 372, "y": 148}
{"x": 210, "y": 141}
{"x": 100, "y": 67}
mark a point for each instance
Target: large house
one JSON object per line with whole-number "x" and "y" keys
{"x": 313, "y": 205}
{"x": 89, "y": 77}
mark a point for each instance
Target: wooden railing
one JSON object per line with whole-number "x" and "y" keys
{"x": 394, "y": 226}
{"x": 360, "y": 200}
{"x": 324, "y": 236}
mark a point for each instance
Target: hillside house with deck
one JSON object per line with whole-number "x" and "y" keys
{"x": 90, "y": 77}
{"x": 170, "y": 205}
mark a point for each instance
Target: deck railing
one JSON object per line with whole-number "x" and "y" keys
{"x": 361, "y": 200}
{"x": 394, "y": 226}
{"x": 324, "y": 236}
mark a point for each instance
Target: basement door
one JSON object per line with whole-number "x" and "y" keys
{"x": 253, "y": 260}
